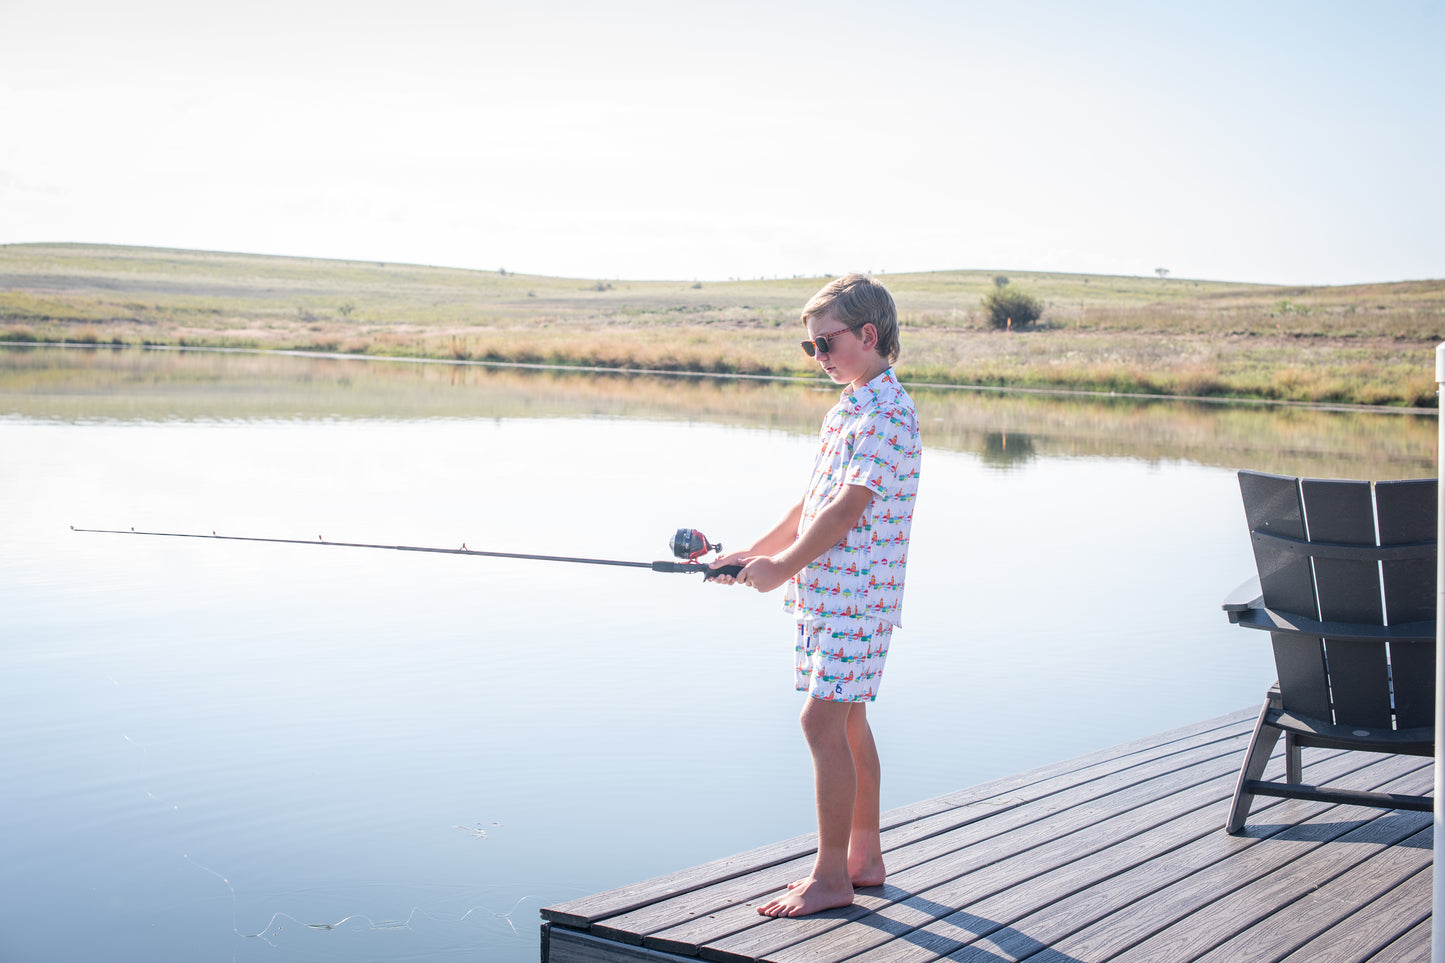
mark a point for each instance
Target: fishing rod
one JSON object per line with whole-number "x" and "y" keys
{"x": 686, "y": 543}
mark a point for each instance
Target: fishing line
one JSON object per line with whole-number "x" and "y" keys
{"x": 274, "y": 930}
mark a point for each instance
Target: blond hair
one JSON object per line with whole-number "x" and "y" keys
{"x": 856, "y": 300}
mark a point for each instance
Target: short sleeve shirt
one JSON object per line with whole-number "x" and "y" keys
{"x": 869, "y": 438}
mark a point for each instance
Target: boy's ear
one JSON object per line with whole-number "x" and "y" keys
{"x": 868, "y": 334}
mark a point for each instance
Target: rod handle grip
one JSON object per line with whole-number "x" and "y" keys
{"x": 688, "y": 568}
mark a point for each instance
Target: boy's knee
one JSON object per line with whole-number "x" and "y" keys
{"x": 823, "y": 720}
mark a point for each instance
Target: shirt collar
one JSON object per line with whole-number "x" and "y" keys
{"x": 868, "y": 395}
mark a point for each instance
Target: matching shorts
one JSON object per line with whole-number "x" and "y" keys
{"x": 841, "y": 660}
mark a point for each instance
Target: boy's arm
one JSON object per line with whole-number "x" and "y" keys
{"x": 767, "y": 572}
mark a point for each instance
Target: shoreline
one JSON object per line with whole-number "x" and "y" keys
{"x": 724, "y": 376}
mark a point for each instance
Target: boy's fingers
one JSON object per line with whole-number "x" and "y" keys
{"x": 717, "y": 563}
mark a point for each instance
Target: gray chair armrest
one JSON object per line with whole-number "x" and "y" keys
{"x": 1245, "y": 596}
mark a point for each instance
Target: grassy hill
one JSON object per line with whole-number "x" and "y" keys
{"x": 1370, "y": 344}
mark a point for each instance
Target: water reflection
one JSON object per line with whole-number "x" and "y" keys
{"x": 1004, "y": 451}
{"x": 133, "y": 385}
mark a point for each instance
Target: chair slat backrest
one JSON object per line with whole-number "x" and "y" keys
{"x": 1370, "y": 684}
{"x": 1408, "y": 511}
{"x": 1272, "y": 504}
{"x": 1341, "y": 511}
{"x": 1286, "y": 581}
{"x": 1348, "y": 590}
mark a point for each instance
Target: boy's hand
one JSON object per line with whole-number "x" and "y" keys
{"x": 763, "y": 573}
{"x": 732, "y": 558}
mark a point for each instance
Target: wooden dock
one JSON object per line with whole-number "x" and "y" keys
{"x": 1119, "y": 855}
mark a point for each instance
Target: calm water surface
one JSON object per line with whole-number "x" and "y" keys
{"x": 233, "y": 751}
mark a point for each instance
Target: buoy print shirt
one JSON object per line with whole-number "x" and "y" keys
{"x": 869, "y": 438}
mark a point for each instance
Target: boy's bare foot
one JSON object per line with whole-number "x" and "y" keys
{"x": 866, "y": 876}
{"x": 807, "y": 896}
{"x": 868, "y": 871}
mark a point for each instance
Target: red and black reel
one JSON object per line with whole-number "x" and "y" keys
{"x": 691, "y": 544}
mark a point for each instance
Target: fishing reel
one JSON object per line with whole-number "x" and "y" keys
{"x": 690, "y": 544}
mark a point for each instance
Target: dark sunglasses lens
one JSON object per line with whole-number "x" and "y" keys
{"x": 819, "y": 343}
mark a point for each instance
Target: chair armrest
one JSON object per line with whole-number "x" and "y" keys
{"x": 1260, "y": 617}
{"x": 1246, "y": 596}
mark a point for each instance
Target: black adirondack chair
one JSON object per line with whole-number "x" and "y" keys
{"x": 1346, "y": 589}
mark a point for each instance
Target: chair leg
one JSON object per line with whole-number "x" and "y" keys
{"x": 1261, "y": 746}
{"x": 1293, "y": 760}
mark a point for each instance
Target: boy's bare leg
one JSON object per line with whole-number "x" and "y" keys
{"x": 865, "y": 848}
{"x": 835, "y": 783}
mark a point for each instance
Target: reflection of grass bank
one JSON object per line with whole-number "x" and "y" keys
{"x": 86, "y": 384}
{"x": 1369, "y": 344}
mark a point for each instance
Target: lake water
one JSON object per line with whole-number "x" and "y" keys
{"x": 236, "y": 751}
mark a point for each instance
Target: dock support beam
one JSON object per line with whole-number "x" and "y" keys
{"x": 1437, "y": 927}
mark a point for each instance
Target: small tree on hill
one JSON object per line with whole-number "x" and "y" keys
{"x": 1009, "y": 308}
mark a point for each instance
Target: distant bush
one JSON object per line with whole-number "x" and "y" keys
{"x": 1008, "y": 308}
{"x": 1000, "y": 280}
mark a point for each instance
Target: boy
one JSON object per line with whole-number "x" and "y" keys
{"x": 842, "y": 550}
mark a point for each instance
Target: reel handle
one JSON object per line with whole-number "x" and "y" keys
{"x": 687, "y": 568}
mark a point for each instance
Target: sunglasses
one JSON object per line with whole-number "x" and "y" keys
{"x": 820, "y": 345}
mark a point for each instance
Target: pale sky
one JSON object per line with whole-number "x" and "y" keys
{"x": 1292, "y": 142}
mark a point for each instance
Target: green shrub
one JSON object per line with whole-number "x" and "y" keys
{"x": 1008, "y": 308}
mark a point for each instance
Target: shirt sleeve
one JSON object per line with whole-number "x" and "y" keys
{"x": 877, "y": 455}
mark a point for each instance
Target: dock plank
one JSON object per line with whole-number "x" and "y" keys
{"x": 1230, "y": 865}
{"x": 1313, "y": 918}
{"x": 1119, "y": 856}
{"x": 1413, "y": 947}
{"x": 1372, "y": 930}
{"x": 1021, "y": 920}
{"x": 1263, "y": 898}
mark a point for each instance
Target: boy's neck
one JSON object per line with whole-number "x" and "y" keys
{"x": 874, "y": 370}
